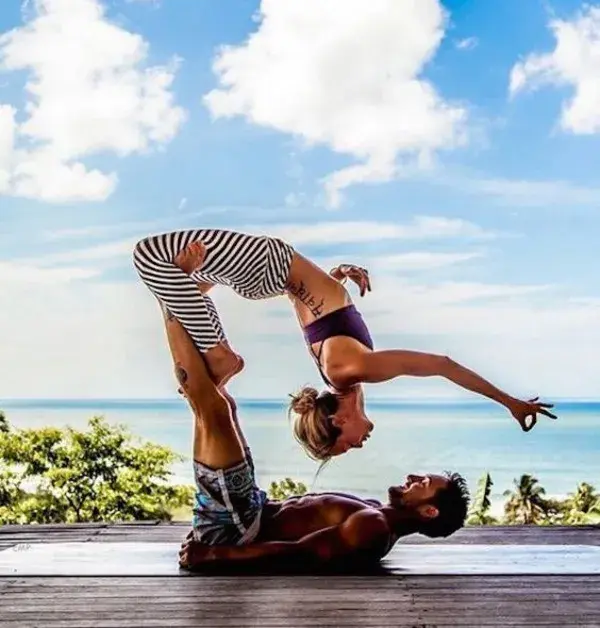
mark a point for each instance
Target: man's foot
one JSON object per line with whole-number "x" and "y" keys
{"x": 223, "y": 364}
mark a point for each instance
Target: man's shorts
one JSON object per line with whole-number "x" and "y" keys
{"x": 228, "y": 504}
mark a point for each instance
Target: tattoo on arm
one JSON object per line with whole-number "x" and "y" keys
{"x": 181, "y": 374}
{"x": 307, "y": 298}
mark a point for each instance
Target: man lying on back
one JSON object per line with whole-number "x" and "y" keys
{"x": 234, "y": 521}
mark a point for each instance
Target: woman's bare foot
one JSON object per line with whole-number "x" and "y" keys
{"x": 223, "y": 363}
{"x": 191, "y": 258}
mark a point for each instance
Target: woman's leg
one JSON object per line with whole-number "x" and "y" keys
{"x": 185, "y": 300}
{"x": 256, "y": 267}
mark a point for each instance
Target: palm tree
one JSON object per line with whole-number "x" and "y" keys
{"x": 582, "y": 506}
{"x": 527, "y": 504}
{"x": 479, "y": 513}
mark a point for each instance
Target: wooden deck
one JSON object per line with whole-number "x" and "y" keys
{"x": 386, "y": 599}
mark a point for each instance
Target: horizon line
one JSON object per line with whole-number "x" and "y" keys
{"x": 428, "y": 400}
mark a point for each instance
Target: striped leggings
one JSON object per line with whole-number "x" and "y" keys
{"x": 255, "y": 267}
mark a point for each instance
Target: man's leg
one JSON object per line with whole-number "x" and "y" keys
{"x": 228, "y": 502}
{"x": 216, "y": 440}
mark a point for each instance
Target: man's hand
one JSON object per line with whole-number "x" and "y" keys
{"x": 522, "y": 410}
{"x": 192, "y": 552}
{"x": 357, "y": 274}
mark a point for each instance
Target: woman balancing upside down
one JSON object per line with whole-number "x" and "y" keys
{"x": 181, "y": 266}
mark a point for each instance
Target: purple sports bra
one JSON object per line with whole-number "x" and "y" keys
{"x": 347, "y": 321}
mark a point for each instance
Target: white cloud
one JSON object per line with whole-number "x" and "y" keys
{"x": 574, "y": 62}
{"x": 293, "y": 199}
{"x": 467, "y": 44}
{"x": 401, "y": 263}
{"x": 100, "y": 256}
{"x": 97, "y": 230}
{"x": 89, "y": 92}
{"x": 116, "y": 345}
{"x": 421, "y": 227}
{"x": 522, "y": 192}
{"x": 346, "y": 74}
{"x": 108, "y": 251}
{"x": 7, "y": 141}
{"x": 182, "y": 204}
{"x": 19, "y": 273}
{"x": 423, "y": 260}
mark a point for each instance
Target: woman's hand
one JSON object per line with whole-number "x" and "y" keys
{"x": 356, "y": 274}
{"x": 522, "y": 410}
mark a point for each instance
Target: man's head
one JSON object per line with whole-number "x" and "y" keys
{"x": 327, "y": 424}
{"x": 438, "y": 502}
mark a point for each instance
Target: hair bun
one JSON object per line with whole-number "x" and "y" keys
{"x": 305, "y": 400}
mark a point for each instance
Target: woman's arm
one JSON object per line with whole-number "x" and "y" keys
{"x": 382, "y": 366}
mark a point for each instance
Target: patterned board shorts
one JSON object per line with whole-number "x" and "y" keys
{"x": 228, "y": 504}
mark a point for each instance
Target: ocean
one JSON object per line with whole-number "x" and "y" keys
{"x": 409, "y": 437}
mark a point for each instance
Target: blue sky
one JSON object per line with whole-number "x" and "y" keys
{"x": 450, "y": 147}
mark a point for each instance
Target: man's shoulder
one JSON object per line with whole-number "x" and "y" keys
{"x": 367, "y": 534}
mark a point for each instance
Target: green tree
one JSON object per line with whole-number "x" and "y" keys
{"x": 4, "y": 425}
{"x": 527, "y": 504}
{"x": 52, "y": 475}
{"x": 582, "y": 506}
{"x": 286, "y": 488}
{"x": 479, "y": 513}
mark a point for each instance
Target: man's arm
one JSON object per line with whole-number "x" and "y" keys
{"x": 365, "y": 534}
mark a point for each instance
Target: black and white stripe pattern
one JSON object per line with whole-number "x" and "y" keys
{"x": 255, "y": 267}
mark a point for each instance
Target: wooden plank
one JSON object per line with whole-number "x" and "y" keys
{"x": 268, "y": 584}
{"x": 140, "y": 559}
{"x": 268, "y": 607}
{"x": 97, "y": 619}
{"x": 277, "y": 602}
{"x": 174, "y": 531}
{"x": 246, "y": 590}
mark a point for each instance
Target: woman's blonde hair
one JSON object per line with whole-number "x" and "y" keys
{"x": 313, "y": 427}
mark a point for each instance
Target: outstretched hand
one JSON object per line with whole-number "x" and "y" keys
{"x": 522, "y": 410}
{"x": 358, "y": 275}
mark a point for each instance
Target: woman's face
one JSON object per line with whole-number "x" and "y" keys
{"x": 353, "y": 423}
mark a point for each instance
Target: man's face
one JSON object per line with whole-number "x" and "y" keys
{"x": 418, "y": 490}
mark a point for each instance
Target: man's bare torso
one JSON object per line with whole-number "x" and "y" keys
{"x": 294, "y": 518}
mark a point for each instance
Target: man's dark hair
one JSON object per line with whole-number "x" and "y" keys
{"x": 452, "y": 503}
